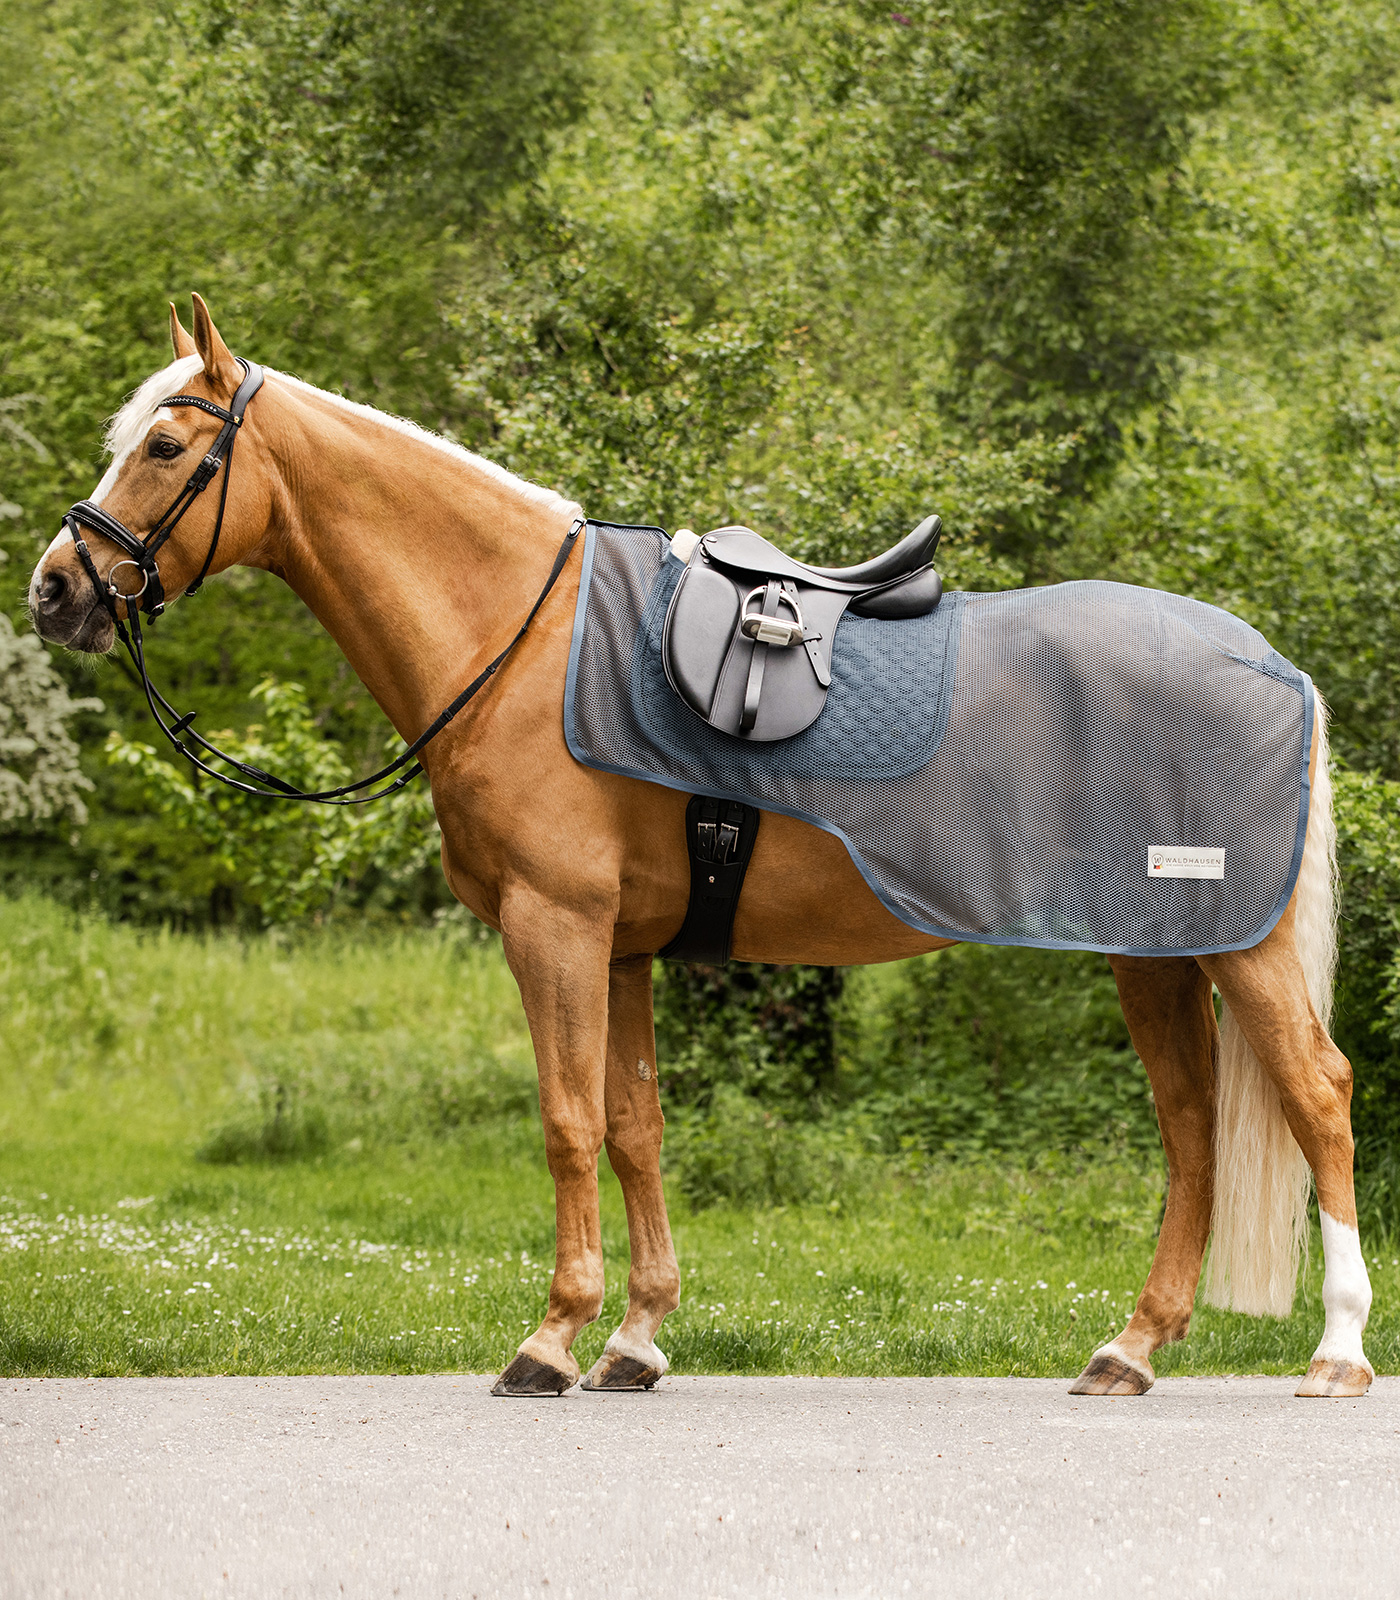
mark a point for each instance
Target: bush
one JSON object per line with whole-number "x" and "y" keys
{"x": 738, "y": 1153}
{"x": 980, "y": 1049}
{"x": 765, "y": 1031}
{"x": 1366, "y": 1022}
{"x": 279, "y": 1126}
{"x": 328, "y": 1090}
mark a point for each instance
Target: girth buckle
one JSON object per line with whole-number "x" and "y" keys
{"x": 716, "y": 841}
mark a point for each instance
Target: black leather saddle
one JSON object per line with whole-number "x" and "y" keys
{"x": 749, "y": 632}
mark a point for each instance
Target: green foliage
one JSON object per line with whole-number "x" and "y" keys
{"x": 379, "y": 101}
{"x": 609, "y": 389}
{"x": 328, "y": 1092}
{"x": 378, "y": 1037}
{"x": 766, "y": 1032}
{"x": 291, "y": 863}
{"x": 39, "y": 773}
{"x": 981, "y": 1049}
{"x": 969, "y": 1052}
{"x": 736, "y": 1151}
{"x": 1033, "y": 154}
{"x": 281, "y": 1126}
{"x": 1367, "y": 1017}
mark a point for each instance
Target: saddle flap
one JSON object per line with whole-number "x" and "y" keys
{"x": 765, "y": 692}
{"x": 696, "y": 648}
{"x": 764, "y": 681}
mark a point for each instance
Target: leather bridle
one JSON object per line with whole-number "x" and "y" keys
{"x": 150, "y": 598}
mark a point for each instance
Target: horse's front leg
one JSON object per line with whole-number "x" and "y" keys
{"x": 630, "y": 1360}
{"x": 560, "y": 960}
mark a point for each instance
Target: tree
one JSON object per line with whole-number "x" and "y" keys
{"x": 437, "y": 104}
{"x": 40, "y": 777}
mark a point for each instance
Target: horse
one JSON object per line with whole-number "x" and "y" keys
{"x": 420, "y": 558}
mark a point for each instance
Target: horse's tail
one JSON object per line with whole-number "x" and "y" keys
{"x": 1260, "y": 1223}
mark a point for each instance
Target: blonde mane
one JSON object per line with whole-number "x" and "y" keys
{"x": 128, "y": 427}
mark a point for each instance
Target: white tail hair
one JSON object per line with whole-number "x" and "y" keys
{"x": 1262, "y": 1182}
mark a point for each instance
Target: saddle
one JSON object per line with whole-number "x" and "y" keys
{"x": 749, "y": 632}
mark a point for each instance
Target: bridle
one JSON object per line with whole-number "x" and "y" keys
{"x": 150, "y": 598}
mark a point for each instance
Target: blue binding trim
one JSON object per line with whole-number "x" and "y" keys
{"x": 931, "y": 929}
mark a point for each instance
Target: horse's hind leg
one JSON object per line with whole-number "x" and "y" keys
{"x": 1267, "y": 993}
{"x": 1170, "y": 1014}
{"x": 630, "y": 1359}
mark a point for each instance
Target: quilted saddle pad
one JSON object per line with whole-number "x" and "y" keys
{"x": 1089, "y": 766}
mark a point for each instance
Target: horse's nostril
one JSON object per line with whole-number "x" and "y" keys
{"x": 53, "y": 588}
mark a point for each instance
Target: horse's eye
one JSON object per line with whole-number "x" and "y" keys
{"x": 166, "y": 449}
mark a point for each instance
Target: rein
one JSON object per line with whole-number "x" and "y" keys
{"x": 141, "y": 554}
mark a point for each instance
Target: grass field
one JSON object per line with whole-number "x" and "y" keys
{"x": 406, "y": 1222}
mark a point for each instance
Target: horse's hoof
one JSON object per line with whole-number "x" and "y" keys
{"x": 1111, "y": 1372}
{"x": 1336, "y": 1380}
{"x": 622, "y": 1372}
{"x": 526, "y": 1376}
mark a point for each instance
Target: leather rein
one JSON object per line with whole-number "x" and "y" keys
{"x": 150, "y": 597}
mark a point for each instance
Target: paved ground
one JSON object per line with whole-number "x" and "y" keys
{"x": 167, "y": 1489}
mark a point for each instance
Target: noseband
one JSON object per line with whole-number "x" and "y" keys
{"x": 150, "y": 598}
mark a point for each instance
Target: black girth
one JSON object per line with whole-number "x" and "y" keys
{"x": 150, "y": 598}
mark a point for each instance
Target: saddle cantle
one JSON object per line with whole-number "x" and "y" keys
{"x": 749, "y": 631}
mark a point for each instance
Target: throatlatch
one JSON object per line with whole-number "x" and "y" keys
{"x": 720, "y": 835}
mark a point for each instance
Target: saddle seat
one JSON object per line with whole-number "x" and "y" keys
{"x": 749, "y": 631}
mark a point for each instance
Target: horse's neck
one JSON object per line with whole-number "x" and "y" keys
{"x": 419, "y": 563}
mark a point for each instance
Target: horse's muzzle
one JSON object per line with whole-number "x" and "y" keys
{"x": 63, "y": 607}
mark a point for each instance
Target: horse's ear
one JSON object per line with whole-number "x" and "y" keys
{"x": 219, "y": 366}
{"x": 180, "y": 341}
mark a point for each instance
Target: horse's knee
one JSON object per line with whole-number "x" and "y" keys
{"x": 634, "y": 1143}
{"x": 571, "y": 1145}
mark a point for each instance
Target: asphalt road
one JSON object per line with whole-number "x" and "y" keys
{"x": 427, "y": 1487}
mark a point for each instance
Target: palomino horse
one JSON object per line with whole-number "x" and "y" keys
{"x": 421, "y": 559}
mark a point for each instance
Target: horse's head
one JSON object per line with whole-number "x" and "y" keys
{"x": 155, "y": 449}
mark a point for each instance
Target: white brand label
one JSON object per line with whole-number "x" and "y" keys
{"x": 1177, "y": 861}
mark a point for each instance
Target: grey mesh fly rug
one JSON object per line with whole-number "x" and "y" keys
{"x": 1089, "y": 766}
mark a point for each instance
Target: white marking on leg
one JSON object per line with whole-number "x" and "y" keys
{"x": 632, "y": 1347}
{"x": 1115, "y": 1351}
{"x": 1346, "y": 1294}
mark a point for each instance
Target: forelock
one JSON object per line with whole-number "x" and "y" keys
{"x": 128, "y": 427}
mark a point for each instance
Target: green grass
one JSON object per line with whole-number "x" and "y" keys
{"x": 414, "y": 1233}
